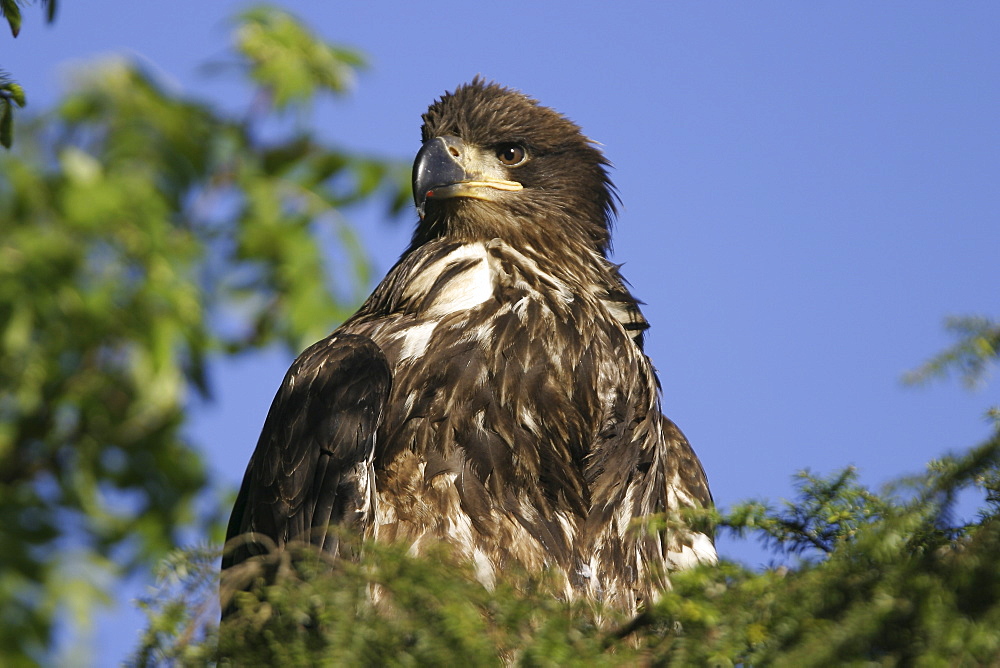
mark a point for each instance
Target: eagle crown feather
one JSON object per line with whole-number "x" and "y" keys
{"x": 571, "y": 201}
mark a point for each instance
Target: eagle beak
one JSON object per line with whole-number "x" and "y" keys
{"x": 446, "y": 167}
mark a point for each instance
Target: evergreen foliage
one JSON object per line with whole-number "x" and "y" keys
{"x": 887, "y": 578}
{"x": 144, "y": 233}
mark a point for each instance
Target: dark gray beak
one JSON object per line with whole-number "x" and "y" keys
{"x": 436, "y": 165}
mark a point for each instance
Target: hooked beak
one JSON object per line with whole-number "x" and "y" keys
{"x": 446, "y": 167}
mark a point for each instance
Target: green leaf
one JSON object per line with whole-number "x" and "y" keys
{"x": 10, "y": 94}
{"x": 6, "y": 125}
{"x": 290, "y": 61}
{"x": 144, "y": 234}
{"x": 12, "y": 12}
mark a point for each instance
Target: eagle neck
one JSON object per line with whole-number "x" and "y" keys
{"x": 555, "y": 244}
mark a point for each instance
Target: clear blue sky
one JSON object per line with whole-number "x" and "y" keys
{"x": 809, "y": 188}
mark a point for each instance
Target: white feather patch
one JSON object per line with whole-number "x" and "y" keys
{"x": 701, "y": 551}
{"x": 415, "y": 339}
{"x": 485, "y": 573}
{"x": 466, "y": 290}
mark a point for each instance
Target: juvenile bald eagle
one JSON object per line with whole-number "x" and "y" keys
{"x": 493, "y": 391}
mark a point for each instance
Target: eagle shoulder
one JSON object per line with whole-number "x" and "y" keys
{"x": 311, "y": 468}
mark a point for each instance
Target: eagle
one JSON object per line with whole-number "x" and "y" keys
{"x": 492, "y": 393}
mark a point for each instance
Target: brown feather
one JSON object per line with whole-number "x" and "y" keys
{"x": 522, "y": 420}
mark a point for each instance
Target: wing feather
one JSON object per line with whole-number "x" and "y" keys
{"x": 312, "y": 467}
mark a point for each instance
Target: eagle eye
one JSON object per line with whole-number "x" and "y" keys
{"x": 511, "y": 155}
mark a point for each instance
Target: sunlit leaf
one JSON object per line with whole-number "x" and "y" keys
{"x": 11, "y": 94}
{"x": 143, "y": 234}
{"x": 10, "y": 10}
{"x": 291, "y": 62}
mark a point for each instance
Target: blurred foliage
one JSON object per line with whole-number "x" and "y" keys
{"x": 828, "y": 512}
{"x": 143, "y": 233}
{"x": 11, "y": 93}
{"x": 286, "y": 60}
{"x": 971, "y": 357}
{"x": 10, "y": 10}
{"x": 887, "y": 578}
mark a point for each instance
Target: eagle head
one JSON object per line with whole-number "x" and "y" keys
{"x": 496, "y": 164}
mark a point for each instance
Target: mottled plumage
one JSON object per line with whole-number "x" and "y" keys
{"x": 493, "y": 391}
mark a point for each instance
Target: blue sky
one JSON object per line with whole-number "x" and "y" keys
{"x": 808, "y": 188}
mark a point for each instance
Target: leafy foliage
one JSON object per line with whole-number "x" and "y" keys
{"x": 143, "y": 233}
{"x": 11, "y": 93}
{"x": 287, "y": 60}
{"x": 10, "y": 10}
{"x": 883, "y": 578}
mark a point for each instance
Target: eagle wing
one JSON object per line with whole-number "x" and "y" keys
{"x": 312, "y": 467}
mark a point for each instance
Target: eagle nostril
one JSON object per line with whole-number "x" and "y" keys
{"x": 454, "y": 151}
